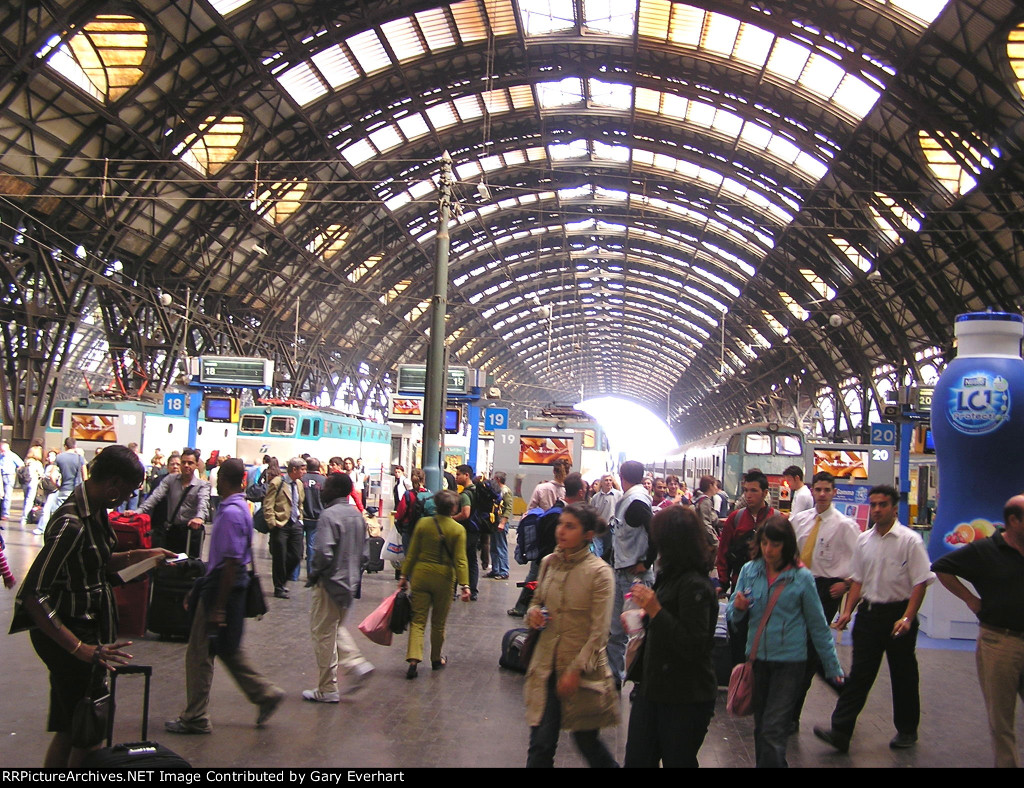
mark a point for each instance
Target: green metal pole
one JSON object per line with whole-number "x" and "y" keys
{"x": 435, "y": 395}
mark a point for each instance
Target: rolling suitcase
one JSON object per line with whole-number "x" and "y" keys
{"x": 512, "y": 644}
{"x": 133, "y": 531}
{"x": 142, "y": 754}
{"x": 172, "y": 584}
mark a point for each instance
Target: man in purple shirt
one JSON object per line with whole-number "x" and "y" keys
{"x": 218, "y": 606}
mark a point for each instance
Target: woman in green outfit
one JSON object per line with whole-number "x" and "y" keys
{"x": 437, "y": 556}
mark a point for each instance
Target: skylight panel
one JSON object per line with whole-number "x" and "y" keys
{"x": 369, "y": 52}
{"x": 586, "y": 190}
{"x": 104, "y": 57}
{"x": 700, "y": 113}
{"x": 225, "y": 7}
{"x": 573, "y": 150}
{"x": 522, "y": 96}
{"x": 783, "y": 149}
{"x": 436, "y": 28}
{"x": 547, "y": 16}
{"x": 442, "y": 116}
{"x": 564, "y": 93}
{"x": 396, "y": 202}
{"x": 795, "y": 309}
{"x": 774, "y": 324}
{"x": 302, "y": 83}
{"x": 818, "y": 284}
{"x": 336, "y": 67}
{"x": 611, "y": 194}
{"x": 861, "y": 261}
{"x": 885, "y": 224}
{"x": 413, "y": 126}
{"x": 759, "y": 338}
{"x": 467, "y": 171}
{"x": 727, "y": 123}
{"x": 753, "y": 45}
{"x": 788, "y": 59}
{"x": 615, "y": 17}
{"x": 496, "y": 101}
{"x": 951, "y": 173}
{"x": 812, "y": 166}
{"x": 469, "y": 107}
{"x": 653, "y": 19}
{"x": 720, "y": 34}
{"x": 404, "y": 39}
{"x": 491, "y": 163}
{"x": 469, "y": 21}
{"x": 386, "y": 138}
{"x": 855, "y": 96}
{"x": 359, "y": 152}
{"x": 610, "y": 94}
{"x": 924, "y": 11}
{"x": 685, "y": 25}
{"x": 821, "y": 76}
{"x": 619, "y": 153}
{"x": 756, "y": 135}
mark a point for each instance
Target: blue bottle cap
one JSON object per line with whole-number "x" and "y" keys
{"x": 1008, "y": 317}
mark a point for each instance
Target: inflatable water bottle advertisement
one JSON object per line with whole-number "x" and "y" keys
{"x": 978, "y": 427}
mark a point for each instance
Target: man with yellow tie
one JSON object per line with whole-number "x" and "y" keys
{"x": 826, "y": 541}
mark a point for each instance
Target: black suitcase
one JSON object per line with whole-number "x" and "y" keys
{"x": 172, "y": 584}
{"x": 185, "y": 540}
{"x": 142, "y": 754}
{"x": 375, "y": 545}
{"x": 512, "y": 650}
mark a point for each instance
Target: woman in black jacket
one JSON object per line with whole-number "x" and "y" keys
{"x": 676, "y": 686}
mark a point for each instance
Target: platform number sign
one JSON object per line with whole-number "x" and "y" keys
{"x": 883, "y": 434}
{"x": 174, "y": 404}
{"x": 495, "y": 419}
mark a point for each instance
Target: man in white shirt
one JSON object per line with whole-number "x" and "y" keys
{"x": 546, "y": 493}
{"x": 890, "y": 574}
{"x": 604, "y": 501}
{"x": 802, "y": 499}
{"x": 826, "y": 541}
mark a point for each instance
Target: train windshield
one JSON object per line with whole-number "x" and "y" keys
{"x": 282, "y": 425}
{"x": 252, "y": 423}
{"x": 758, "y": 443}
{"x": 790, "y": 445}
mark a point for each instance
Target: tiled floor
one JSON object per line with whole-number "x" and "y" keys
{"x": 468, "y": 715}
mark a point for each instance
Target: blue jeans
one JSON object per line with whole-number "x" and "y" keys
{"x": 499, "y": 552}
{"x": 544, "y": 738}
{"x": 777, "y": 688}
{"x": 30, "y": 500}
{"x": 9, "y": 487}
{"x": 666, "y": 734}
{"x": 617, "y": 635}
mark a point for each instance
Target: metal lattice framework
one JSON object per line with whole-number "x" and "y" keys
{"x": 726, "y": 211}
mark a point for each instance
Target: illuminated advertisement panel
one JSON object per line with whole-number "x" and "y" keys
{"x": 536, "y": 450}
{"x": 842, "y": 463}
{"x": 88, "y": 427}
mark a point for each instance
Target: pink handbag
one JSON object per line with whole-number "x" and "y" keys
{"x": 377, "y": 625}
{"x": 740, "y": 698}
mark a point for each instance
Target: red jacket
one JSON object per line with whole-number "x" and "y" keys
{"x": 738, "y": 523}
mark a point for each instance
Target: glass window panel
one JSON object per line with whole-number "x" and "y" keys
{"x": 547, "y": 16}
{"x": 421, "y": 189}
{"x": 753, "y": 45}
{"x": 336, "y": 67}
{"x": 413, "y": 126}
{"x": 788, "y": 445}
{"x": 720, "y": 34}
{"x": 653, "y": 19}
{"x": 822, "y": 76}
{"x": 367, "y": 49}
{"x": 701, "y": 114}
{"x": 442, "y": 116}
{"x": 404, "y": 39}
{"x": 496, "y": 101}
{"x": 359, "y": 152}
{"x": 225, "y": 7}
{"x": 755, "y": 135}
{"x": 437, "y": 30}
{"x": 686, "y": 25}
{"x": 469, "y": 107}
{"x": 924, "y": 11}
{"x": 756, "y": 443}
{"x": 727, "y": 123}
{"x": 396, "y": 202}
{"x": 788, "y": 59}
{"x": 469, "y": 21}
{"x": 522, "y": 96}
{"x": 386, "y": 138}
{"x": 611, "y": 94}
{"x": 502, "y": 17}
{"x": 855, "y": 96}
{"x": 302, "y": 83}
{"x": 564, "y": 93}
{"x": 614, "y": 17}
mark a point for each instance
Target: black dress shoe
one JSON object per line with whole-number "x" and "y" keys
{"x": 280, "y": 593}
{"x": 903, "y": 741}
{"x": 411, "y": 672}
{"x": 473, "y": 596}
{"x": 838, "y": 740}
{"x": 515, "y": 612}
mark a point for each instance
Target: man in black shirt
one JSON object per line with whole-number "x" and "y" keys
{"x": 995, "y": 567}
{"x": 313, "y": 481}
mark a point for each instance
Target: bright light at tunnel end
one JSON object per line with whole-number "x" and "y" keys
{"x": 634, "y": 432}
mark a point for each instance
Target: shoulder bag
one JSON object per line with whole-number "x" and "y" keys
{"x": 740, "y": 700}
{"x": 255, "y": 602}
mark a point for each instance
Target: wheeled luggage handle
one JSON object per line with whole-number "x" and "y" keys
{"x": 129, "y": 670}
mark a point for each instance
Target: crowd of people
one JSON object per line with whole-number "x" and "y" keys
{"x": 628, "y": 579}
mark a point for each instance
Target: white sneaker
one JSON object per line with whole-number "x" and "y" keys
{"x": 317, "y": 696}
{"x": 37, "y": 531}
{"x": 357, "y": 679}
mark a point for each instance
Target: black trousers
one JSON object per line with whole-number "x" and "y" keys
{"x": 285, "y": 552}
{"x": 831, "y": 607}
{"x": 472, "y": 546}
{"x": 872, "y": 638}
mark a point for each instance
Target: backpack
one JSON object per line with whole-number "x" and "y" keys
{"x": 256, "y": 492}
{"x": 486, "y": 502}
{"x": 534, "y": 532}
{"x": 25, "y": 475}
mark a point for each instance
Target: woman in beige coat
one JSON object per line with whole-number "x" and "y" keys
{"x": 569, "y": 684}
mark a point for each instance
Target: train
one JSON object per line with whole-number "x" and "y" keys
{"x": 730, "y": 453}
{"x": 95, "y": 423}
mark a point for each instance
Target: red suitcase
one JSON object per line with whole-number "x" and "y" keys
{"x": 134, "y": 531}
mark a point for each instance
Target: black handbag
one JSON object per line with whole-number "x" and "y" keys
{"x": 401, "y": 615}
{"x": 255, "y": 602}
{"x": 92, "y": 714}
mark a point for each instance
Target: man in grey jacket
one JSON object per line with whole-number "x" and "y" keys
{"x": 340, "y": 546}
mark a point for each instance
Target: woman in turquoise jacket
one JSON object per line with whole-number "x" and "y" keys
{"x": 782, "y": 650}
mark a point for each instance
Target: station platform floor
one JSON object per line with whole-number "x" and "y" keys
{"x": 469, "y": 715}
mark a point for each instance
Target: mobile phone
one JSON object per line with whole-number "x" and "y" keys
{"x": 179, "y": 558}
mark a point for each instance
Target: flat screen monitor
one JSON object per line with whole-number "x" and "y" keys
{"x": 452, "y": 418}
{"x": 849, "y": 464}
{"x": 218, "y": 408}
{"x": 539, "y": 450}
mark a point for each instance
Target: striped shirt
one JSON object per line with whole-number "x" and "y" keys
{"x": 69, "y": 575}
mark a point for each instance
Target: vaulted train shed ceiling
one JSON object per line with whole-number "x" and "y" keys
{"x": 691, "y": 205}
